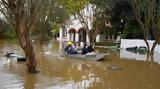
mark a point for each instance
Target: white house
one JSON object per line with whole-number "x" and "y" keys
{"x": 74, "y": 31}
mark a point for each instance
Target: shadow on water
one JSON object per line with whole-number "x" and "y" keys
{"x": 118, "y": 71}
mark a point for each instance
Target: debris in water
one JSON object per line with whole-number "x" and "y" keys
{"x": 113, "y": 67}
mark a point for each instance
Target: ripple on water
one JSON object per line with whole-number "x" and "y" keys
{"x": 67, "y": 85}
{"x": 10, "y": 81}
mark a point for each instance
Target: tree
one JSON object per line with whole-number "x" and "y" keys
{"x": 99, "y": 18}
{"x": 120, "y": 13}
{"x": 22, "y": 15}
{"x": 155, "y": 29}
{"x": 146, "y": 12}
{"x": 51, "y": 12}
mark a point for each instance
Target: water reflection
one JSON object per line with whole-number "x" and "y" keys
{"x": 57, "y": 73}
{"x": 141, "y": 56}
{"x": 30, "y": 81}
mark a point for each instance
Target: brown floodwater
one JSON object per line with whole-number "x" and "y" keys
{"x": 58, "y": 72}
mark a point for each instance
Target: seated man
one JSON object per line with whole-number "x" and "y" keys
{"x": 66, "y": 49}
{"x": 84, "y": 50}
{"x": 90, "y": 52}
{"x": 90, "y": 49}
{"x": 70, "y": 49}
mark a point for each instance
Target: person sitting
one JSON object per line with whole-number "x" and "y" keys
{"x": 90, "y": 49}
{"x": 70, "y": 48}
{"x": 84, "y": 50}
{"x": 66, "y": 49}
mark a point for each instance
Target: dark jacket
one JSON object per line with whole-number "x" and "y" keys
{"x": 90, "y": 49}
{"x": 84, "y": 50}
{"x": 70, "y": 50}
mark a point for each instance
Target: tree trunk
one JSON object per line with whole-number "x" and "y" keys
{"x": 153, "y": 47}
{"x": 145, "y": 40}
{"x": 23, "y": 14}
{"x": 29, "y": 53}
{"x": 145, "y": 32}
{"x": 26, "y": 45}
{"x": 156, "y": 35}
{"x": 92, "y": 38}
{"x": 31, "y": 62}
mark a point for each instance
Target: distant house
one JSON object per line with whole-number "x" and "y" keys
{"x": 74, "y": 31}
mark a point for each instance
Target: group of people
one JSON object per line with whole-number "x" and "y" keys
{"x": 71, "y": 49}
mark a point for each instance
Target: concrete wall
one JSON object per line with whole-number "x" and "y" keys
{"x": 137, "y": 42}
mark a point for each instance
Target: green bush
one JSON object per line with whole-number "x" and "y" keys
{"x": 9, "y": 34}
{"x": 6, "y": 31}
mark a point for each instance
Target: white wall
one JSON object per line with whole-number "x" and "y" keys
{"x": 137, "y": 42}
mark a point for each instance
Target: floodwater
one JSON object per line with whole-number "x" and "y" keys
{"x": 58, "y": 72}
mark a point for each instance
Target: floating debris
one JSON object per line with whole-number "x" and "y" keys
{"x": 113, "y": 67}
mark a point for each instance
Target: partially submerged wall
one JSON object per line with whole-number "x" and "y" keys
{"x": 125, "y": 43}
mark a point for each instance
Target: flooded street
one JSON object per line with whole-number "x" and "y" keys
{"x": 58, "y": 72}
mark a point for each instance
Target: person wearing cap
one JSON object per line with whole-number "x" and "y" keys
{"x": 69, "y": 43}
{"x": 70, "y": 48}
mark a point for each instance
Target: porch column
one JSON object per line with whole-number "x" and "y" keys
{"x": 87, "y": 38}
{"x": 60, "y": 33}
{"x": 81, "y": 44}
{"x": 72, "y": 37}
{"x": 77, "y": 37}
{"x": 68, "y": 36}
{"x": 98, "y": 38}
